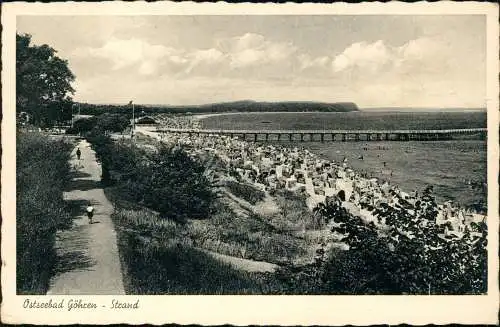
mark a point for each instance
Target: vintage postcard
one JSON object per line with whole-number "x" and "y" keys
{"x": 273, "y": 164}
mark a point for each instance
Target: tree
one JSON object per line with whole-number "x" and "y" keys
{"x": 102, "y": 124}
{"x": 43, "y": 82}
{"x": 82, "y": 125}
{"x": 111, "y": 122}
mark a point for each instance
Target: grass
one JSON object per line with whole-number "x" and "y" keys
{"x": 159, "y": 258}
{"x": 247, "y": 192}
{"x": 295, "y": 214}
{"x": 41, "y": 174}
{"x": 162, "y": 256}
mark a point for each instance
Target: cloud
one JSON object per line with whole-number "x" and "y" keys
{"x": 367, "y": 56}
{"x": 371, "y": 60}
{"x": 250, "y": 66}
{"x": 254, "y": 49}
{"x": 201, "y": 61}
{"x": 424, "y": 55}
{"x": 132, "y": 52}
{"x": 307, "y": 62}
{"x": 248, "y": 51}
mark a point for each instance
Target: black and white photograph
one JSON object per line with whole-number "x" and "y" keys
{"x": 260, "y": 154}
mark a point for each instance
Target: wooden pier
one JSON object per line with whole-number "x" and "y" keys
{"x": 335, "y": 135}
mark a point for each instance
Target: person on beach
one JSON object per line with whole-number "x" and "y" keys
{"x": 78, "y": 153}
{"x": 341, "y": 195}
{"x": 90, "y": 212}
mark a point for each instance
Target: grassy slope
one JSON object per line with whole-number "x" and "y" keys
{"x": 159, "y": 258}
{"x": 41, "y": 173}
{"x": 163, "y": 257}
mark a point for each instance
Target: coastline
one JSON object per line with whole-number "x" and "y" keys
{"x": 413, "y": 164}
{"x": 313, "y": 197}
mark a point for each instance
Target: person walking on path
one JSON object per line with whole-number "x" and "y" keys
{"x": 98, "y": 270}
{"x": 90, "y": 212}
{"x": 78, "y": 153}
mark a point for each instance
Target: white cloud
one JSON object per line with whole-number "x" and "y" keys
{"x": 369, "y": 56}
{"x": 126, "y": 53}
{"x": 422, "y": 55}
{"x": 417, "y": 73}
{"x": 247, "y": 41}
{"x": 419, "y": 60}
{"x": 246, "y": 51}
{"x": 201, "y": 60}
{"x": 209, "y": 56}
{"x": 254, "y": 49}
{"x": 147, "y": 68}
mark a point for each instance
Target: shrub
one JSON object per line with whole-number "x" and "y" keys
{"x": 103, "y": 146}
{"x": 41, "y": 173}
{"x": 247, "y": 192}
{"x": 175, "y": 185}
{"x": 168, "y": 181}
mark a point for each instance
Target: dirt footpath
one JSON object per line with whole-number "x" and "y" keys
{"x": 88, "y": 254}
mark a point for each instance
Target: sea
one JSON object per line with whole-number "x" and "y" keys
{"x": 456, "y": 169}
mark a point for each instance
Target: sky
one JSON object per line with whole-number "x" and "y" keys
{"x": 374, "y": 61}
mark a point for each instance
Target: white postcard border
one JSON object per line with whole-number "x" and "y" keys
{"x": 244, "y": 310}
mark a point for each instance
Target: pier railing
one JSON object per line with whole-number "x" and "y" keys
{"x": 335, "y": 135}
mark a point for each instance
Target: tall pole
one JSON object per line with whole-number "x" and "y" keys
{"x": 133, "y": 119}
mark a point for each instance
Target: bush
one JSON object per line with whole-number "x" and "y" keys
{"x": 168, "y": 181}
{"x": 41, "y": 173}
{"x": 175, "y": 185}
{"x": 247, "y": 192}
{"x": 103, "y": 147}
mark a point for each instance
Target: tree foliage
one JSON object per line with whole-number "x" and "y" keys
{"x": 102, "y": 124}
{"x": 43, "y": 82}
{"x": 410, "y": 254}
{"x": 109, "y": 122}
{"x": 235, "y": 106}
{"x": 82, "y": 125}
